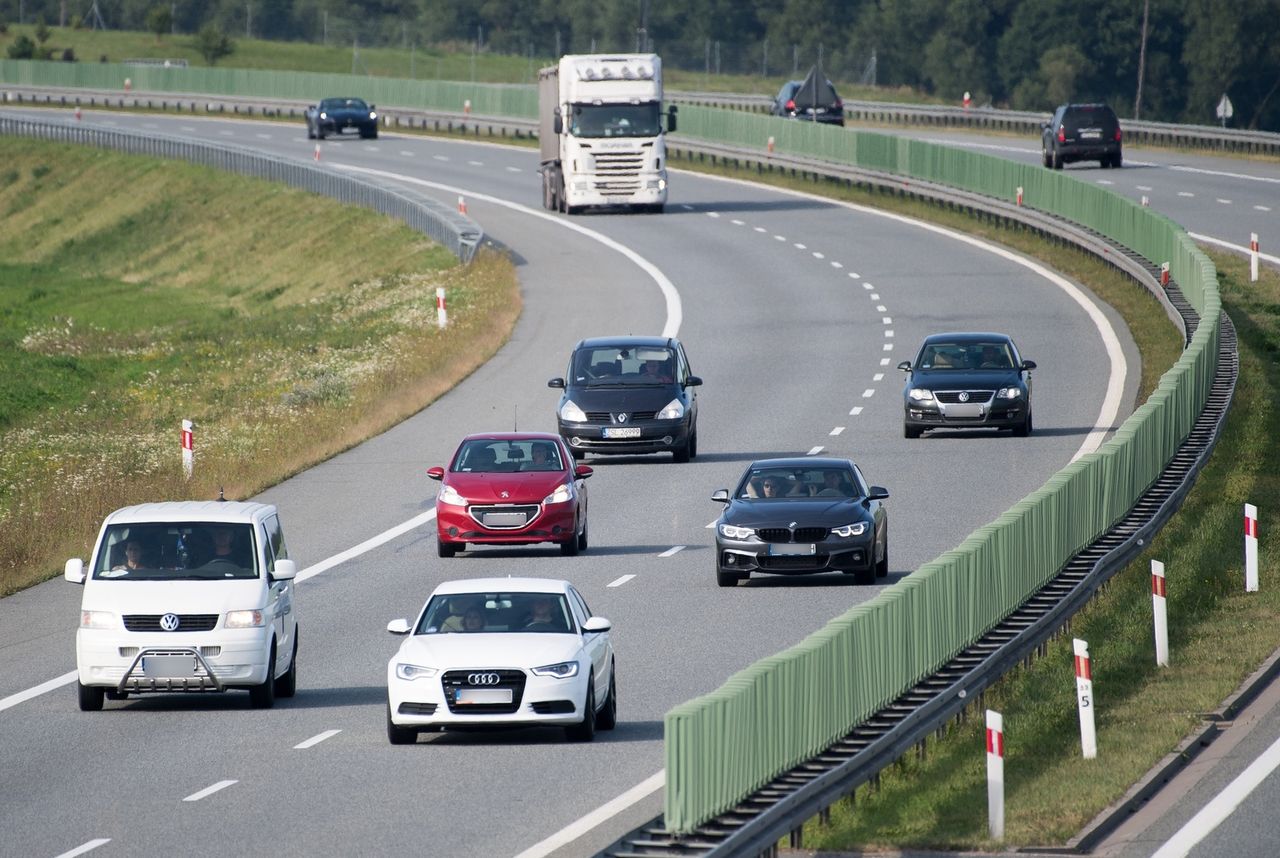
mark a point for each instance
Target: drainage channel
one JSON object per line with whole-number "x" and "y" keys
{"x": 781, "y": 807}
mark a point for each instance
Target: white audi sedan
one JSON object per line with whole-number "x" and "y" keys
{"x": 502, "y": 653}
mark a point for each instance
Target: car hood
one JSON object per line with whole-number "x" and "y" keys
{"x": 524, "y": 487}
{"x": 812, "y": 512}
{"x": 477, "y": 649}
{"x": 121, "y": 596}
{"x": 951, "y": 379}
{"x": 614, "y": 399}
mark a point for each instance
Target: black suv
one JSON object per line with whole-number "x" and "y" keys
{"x": 1081, "y": 132}
{"x": 809, "y": 99}
{"x": 629, "y": 395}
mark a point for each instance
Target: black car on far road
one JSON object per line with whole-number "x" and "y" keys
{"x": 800, "y": 516}
{"x": 332, "y": 115}
{"x": 1081, "y": 132}
{"x": 967, "y": 381}
{"x": 812, "y": 99}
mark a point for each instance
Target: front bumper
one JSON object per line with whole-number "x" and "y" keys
{"x": 998, "y": 415}
{"x": 834, "y": 554}
{"x": 430, "y": 702}
{"x": 655, "y": 436}
{"x": 552, "y": 523}
{"x": 237, "y": 658}
{"x": 594, "y": 190}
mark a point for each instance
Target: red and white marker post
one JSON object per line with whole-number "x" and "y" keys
{"x": 442, "y": 315}
{"x": 1164, "y": 274}
{"x": 316, "y": 156}
{"x": 466, "y": 107}
{"x": 128, "y": 84}
{"x": 1019, "y": 195}
{"x": 1146, "y": 201}
{"x": 967, "y": 100}
{"x": 770, "y": 146}
{"x": 188, "y": 447}
{"x": 77, "y": 113}
{"x": 995, "y": 775}
{"x": 1250, "y": 548}
{"x": 462, "y": 205}
{"x": 1253, "y": 257}
{"x": 1084, "y": 699}
{"x": 1159, "y": 611}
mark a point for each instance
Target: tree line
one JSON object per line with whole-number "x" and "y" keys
{"x": 1169, "y": 60}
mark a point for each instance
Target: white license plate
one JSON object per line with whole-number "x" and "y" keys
{"x": 622, "y": 431}
{"x": 962, "y": 411}
{"x": 1090, "y": 135}
{"x": 482, "y": 695}
{"x": 505, "y": 519}
{"x": 791, "y": 549}
{"x": 158, "y": 666}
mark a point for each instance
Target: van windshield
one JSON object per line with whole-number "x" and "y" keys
{"x": 177, "y": 551}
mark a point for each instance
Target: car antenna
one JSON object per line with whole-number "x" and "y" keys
{"x": 515, "y": 417}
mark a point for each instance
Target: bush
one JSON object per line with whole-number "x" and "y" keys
{"x": 42, "y": 31}
{"x": 68, "y": 55}
{"x": 22, "y": 48}
{"x": 213, "y": 44}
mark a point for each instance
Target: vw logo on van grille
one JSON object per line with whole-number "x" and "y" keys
{"x": 483, "y": 679}
{"x": 169, "y": 622}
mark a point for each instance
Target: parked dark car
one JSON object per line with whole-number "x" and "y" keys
{"x": 333, "y": 115}
{"x": 629, "y": 395}
{"x": 801, "y": 516}
{"x": 812, "y": 98}
{"x": 967, "y": 381}
{"x": 1081, "y": 132}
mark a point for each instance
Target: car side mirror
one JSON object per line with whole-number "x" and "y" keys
{"x": 905, "y": 366}
{"x": 556, "y": 382}
{"x": 877, "y": 493}
{"x": 398, "y": 627}
{"x": 286, "y": 570}
{"x": 74, "y": 570}
{"x": 693, "y": 381}
{"x": 1028, "y": 364}
{"x": 583, "y": 471}
{"x": 720, "y": 496}
{"x": 373, "y": 107}
{"x": 594, "y": 625}
{"x": 436, "y": 473}
{"x": 557, "y": 125}
{"x": 671, "y": 119}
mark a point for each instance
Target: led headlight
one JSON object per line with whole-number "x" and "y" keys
{"x": 572, "y": 413}
{"x": 450, "y": 497}
{"x": 850, "y": 529}
{"x": 411, "y": 672}
{"x": 673, "y": 410}
{"x": 563, "y": 670}
{"x": 243, "y": 619}
{"x": 920, "y": 394}
{"x": 732, "y": 531}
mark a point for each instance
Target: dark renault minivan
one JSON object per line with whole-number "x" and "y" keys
{"x": 626, "y": 395}
{"x": 1081, "y": 132}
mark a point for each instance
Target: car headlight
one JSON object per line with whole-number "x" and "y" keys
{"x": 373, "y": 114}
{"x": 1009, "y": 393}
{"x": 563, "y": 492}
{"x": 572, "y": 413}
{"x": 850, "y": 529}
{"x": 563, "y": 670}
{"x": 450, "y": 497}
{"x": 673, "y": 410}
{"x": 243, "y": 620}
{"x": 920, "y": 394}
{"x": 410, "y": 672}
{"x": 324, "y": 115}
{"x": 732, "y": 531}
{"x": 97, "y": 620}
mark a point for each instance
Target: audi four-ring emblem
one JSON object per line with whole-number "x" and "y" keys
{"x": 169, "y": 622}
{"x": 483, "y": 679}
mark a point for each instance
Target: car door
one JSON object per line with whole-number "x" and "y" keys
{"x": 682, "y": 377}
{"x": 280, "y": 599}
{"x": 597, "y": 644}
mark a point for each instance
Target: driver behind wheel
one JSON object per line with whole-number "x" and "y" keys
{"x": 225, "y": 547}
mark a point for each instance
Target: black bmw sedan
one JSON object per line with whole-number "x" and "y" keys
{"x": 800, "y": 516}
{"x": 967, "y": 381}
{"x": 332, "y": 115}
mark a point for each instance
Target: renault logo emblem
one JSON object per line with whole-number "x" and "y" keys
{"x": 964, "y": 396}
{"x": 622, "y": 418}
{"x": 169, "y": 622}
{"x": 483, "y": 679}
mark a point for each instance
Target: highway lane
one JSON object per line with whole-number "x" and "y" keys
{"x": 790, "y": 344}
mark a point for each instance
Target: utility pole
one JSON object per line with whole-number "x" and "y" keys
{"x": 1142, "y": 59}
{"x": 248, "y": 19}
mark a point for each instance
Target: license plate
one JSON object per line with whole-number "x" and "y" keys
{"x": 505, "y": 519}
{"x": 482, "y": 695}
{"x": 159, "y": 666}
{"x": 622, "y": 431}
{"x": 791, "y": 549}
{"x": 1090, "y": 135}
{"x": 963, "y": 411}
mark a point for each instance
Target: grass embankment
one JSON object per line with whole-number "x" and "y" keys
{"x": 135, "y": 293}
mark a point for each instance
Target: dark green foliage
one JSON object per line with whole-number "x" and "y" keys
{"x": 22, "y": 48}
{"x": 213, "y": 44}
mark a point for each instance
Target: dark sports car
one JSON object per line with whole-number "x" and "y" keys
{"x": 332, "y": 115}
{"x": 967, "y": 381}
{"x": 800, "y": 516}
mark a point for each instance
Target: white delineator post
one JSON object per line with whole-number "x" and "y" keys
{"x": 317, "y": 154}
{"x": 466, "y": 107}
{"x": 995, "y": 774}
{"x": 1160, "y": 611}
{"x": 1164, "y": 274}
{"x": 442, "y": 315}
{"x": 770, "y": 146}
{"x": 1250, "y": 548}
{"x": 1084, "y": 698}
{"x": 462, "y": 205}
{"x": 1253, "y": 257}
{"x": 188, "y": 447}
{"x": 1019, "y": 195}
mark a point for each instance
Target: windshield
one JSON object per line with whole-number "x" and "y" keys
{"x": 799, "y": 483}
{"x": 177, "y": 551}
{"x": 622, "y": 366}
{"x": 499, "y": 457}
{"x": 616, "y": 120}
{"x": 966, "y": 356}
{"x": 343, "y": 104}
{"x": 496, "y": 612}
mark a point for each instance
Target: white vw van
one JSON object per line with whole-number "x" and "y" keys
{"x": 187, "y": 596}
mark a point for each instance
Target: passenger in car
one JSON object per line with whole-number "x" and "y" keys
{"x": 834, "y": 485}
{"x": 473, "y": 620}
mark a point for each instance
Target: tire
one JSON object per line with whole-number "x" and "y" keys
{"x": 446, "y": 549}
{"x": 693, "y": 444}
{"x": 608, "y": 717}
{"x": 287, "y": 685}
{"x": 399, "y": 735}
{"x": 311, "y": 135}
{"x": 569, "y": 548}
{"x": 1023, "y": 429}
{"x": 727, "y": 579}
{"x": 683, "y": 454}
{"x": 863, "y": 577}
{"x": 373, "y": 135}
{"x": 910, "y": 432}
{"x": 319, "y": 133}
{"x": 882, "y": 568}
{"x": 1117, "y": 160}
{"x": 90, "y": 697}
{"x": 263, "y": 695}
{"x": 1044, "y": 156}
{"x": 585, "y": 730}
{"x": 1056, "y": 160}
{"x": 582, "y": 537}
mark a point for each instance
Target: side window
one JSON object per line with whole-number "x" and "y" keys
{"x": 682, "y": 365}
{"x": 276, "y": 548}
{"x": 580, "y": 610}
{"x": 862, "y": 482}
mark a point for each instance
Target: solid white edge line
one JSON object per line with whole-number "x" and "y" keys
{"x": 574, "y": 830}
{"x": 1222, "y": 805}
{"x": 316, "y": 740}
{"x": 210, "y": 790}
{"x": 672, "y": 551}
{"x": 618, "y": 582}
{"x": 43, "y": 688}
{"x": 86, "y": 847}
{"x": 1208, "y": 239}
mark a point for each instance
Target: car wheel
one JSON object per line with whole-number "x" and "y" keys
{"x": 569, "y": 548}
{"x": 263, "y": 695}
{"x": 910, "y": 431}
{"x": 727, "y": 579}
{"x": 582, "y": 537}
{"x": 693, "y": 444}
{"x": 1056, "y": 160}
{"x": 1044, "y": 156}
{"x": 684, "y": 453}
{"x": 287, "y": 685}
{"x": 882, "y": 568}
{"x": 90, "y": 697}
{"x": 399, "y": 735}
{"x": 311, "y": 135}
{"x": 585, "y": 730}
{"x": 608, "y": 717}
{"x": 1117, "y": 160}
{"x": 1023, "y": 429}
{"x": 446, "y": 549}
{"x": 863, "y": 576}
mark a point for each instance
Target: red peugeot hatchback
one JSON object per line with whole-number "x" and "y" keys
{"x": 512, "y": 488}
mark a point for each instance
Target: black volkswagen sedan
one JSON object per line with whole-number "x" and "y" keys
{"x": 967, "y": 381}
{"x": 801, "y": 516}
{"x": 629, "y": 395}
{"x": 332, "y": 115}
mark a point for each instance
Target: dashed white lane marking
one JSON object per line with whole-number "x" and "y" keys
{"x": 209, "y": 790}
{"x": 1262, "y": 208}
{"x": 879, "y": 376}
{"x": 868, "y": 393}
{"x": 888, "y": 320}
{"x": 187, "y": 128}
{"x": 673, "y": 550}
{"x": 888, "y": 333}
{"x": 1224, "y": 202}
{"x": 888, "y": 347}
{"x": 798, "y": 246}
{"x": 227, "y": 133}
{"x": 372, "y": 149}
{"x": 149, "y": 125}
{"x": 835, "y": 264}
{"x": 513, "y": 169}
{"x": 815, "y": 451}
{"x": 263, "y": 136}
{"x": 1105, "y": 182}
{"x": 713, "y": 214}
{"x": 855, "y": 411}
{"x": 884, "y": 361}
{"x": 817, "y": 255}
{"x": 608, "y": 810}
{"x": 837, "y": 430}
{"x": 476, "y": 163}
{"x": 406, "y": 153}
{"x": 86, "y": 847}
{"x": 875, "y": 296}
{"x": 1143, "y": 187}
{"x": 737, "y": 222}
{"x": 1185, "y": 194}
{"x": 712, "y": 524}
{"x": 618, "y": 582}
{"x": 759, "y": 229}
{"x": 780, "y": 238}
{"x": 316, "y": 740}
{"x": 441, "y": 157}
{"x": 853, "y": 275}
{"x": 880, "y": 308}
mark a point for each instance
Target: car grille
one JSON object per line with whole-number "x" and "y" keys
{"x": 976, "y": 397}
{"x": 504, "y": 516}
{"x": 455, "y": 679}
{"x": 417, "y": 709}
{"x": 553, "y": 707}
{"x": 186, "y": 622}
{"x": 618, "y": 172}
{"x": 784, "y": 534}
{"x": 606, "y": 417}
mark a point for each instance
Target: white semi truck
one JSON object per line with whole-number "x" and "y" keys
{"x": 601, "y": 132}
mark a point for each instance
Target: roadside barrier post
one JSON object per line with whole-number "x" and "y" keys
{"x": 77, "y": 112}
{"x": 967, "y": 99}
{"x": 771, "y": 145}
{"x": 128, "y": 84}
{"x": 442, "y": 315}
{"x": 462, "y": 205}
{"x": 1250, "y": 548}
{"x": 1160, "y": 611}
{"x": 316, "y": 156}
{"x": 1146, "y": 201}
{"x": 1164, "y": 274}
{"x": 188, "y": 447}
{"x": 1084, "y": 698}
{"x": 1019, "y": 195}
{"x": 466, "y": 107}
{"x": 995, "y": 775}
{"x": 1253, "y": 257}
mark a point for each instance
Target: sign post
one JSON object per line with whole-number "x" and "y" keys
{"x": 1224, "y": 110}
